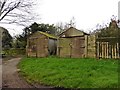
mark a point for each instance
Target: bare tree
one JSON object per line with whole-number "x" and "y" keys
{"x": 62, "y": 26}
{"x": 72, "y": 22}
{"x": 16, "y": 11}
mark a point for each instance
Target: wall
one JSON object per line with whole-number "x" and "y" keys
{"x": 42, "y": 46}
{"x": 91, "y": 46}
{"x": 63, "y": 47}
{"x": 71, "y": 47}
{"x": 37, "y": 45}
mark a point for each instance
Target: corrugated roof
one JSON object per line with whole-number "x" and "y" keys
{"x": 48, "y": 35}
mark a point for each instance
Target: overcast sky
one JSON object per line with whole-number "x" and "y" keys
{"x": 87, "y": 13}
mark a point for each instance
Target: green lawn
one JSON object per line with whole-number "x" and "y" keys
{"x": 70, "y": 73}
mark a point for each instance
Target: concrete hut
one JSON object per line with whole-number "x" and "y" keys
{"x": 41, "y": 44}
{"x": 72, "y": 43}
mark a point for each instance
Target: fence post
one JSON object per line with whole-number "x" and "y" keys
{"x": 86, "y": 46}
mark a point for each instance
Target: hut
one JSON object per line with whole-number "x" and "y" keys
{"x": 72, "y": 43}
{"x": 41, "y": 44}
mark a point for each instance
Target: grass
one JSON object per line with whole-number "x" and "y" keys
{"x": 70, "y": 73}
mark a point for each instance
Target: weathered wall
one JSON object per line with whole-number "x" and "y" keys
{"x": 91, "y": 46}
{"x": 78, "y": 47}
{"x": 42, "y": 47}
{"x": 37, "y": 45}
{"x": 63, "y": 47}
{"x": 71, "y": 47}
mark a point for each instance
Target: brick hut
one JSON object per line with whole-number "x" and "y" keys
{"x": 72, "y": 43}
{"x": 41, "y": 44}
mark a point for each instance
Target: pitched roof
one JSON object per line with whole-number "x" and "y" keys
{"x": 74, "y": 29}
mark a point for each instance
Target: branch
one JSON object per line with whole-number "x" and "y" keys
{"x": 10, "y": 9}
{"x": 17, "y": 11}
{"x": 1, "y": 7}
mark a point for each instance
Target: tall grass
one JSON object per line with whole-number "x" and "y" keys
{"x": 70, "y": 73}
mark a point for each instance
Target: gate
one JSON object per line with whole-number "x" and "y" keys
{"x": 73, "y": 47}
{"x": 108, "y": 47}
{"x": 78, "y": 47}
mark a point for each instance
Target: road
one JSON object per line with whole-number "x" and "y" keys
{"x": 10, "y": 76}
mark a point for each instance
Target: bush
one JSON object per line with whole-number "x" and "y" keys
{"x": 14, "y": 51}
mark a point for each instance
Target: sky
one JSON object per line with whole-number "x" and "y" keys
{"x": 87, "y": 13}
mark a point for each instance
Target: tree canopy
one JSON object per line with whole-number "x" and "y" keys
{"x": 21, "y": 40}
{"x": 109, "y": 31}
{"x": 6, "y": 38}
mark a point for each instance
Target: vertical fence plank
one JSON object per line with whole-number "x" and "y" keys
{"x": 118, "y": 50}
{"x": 100, "y": 50}
{"x": 112, "y": 51}
{"x": 108, "y": 47}
{"x": 102, "y": 46}
{"x": 105, "y": 49}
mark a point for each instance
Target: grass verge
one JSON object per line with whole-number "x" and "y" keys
{"x": 70, "y": 73}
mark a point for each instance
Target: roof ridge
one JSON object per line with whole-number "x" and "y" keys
{"x": 48, "y": 35}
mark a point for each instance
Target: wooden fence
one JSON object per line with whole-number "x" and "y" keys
{"x": 108, "y": 47}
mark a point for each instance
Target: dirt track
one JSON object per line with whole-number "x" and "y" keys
{"x": 12, "y": 79}
{"x": 10, "y": 76}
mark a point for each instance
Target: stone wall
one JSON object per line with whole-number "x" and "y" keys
{"x": 91, "y": 48}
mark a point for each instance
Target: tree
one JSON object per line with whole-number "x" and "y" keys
{"x": 63, "y": 26}
{"x": 72, "y": 22}
{"x": 51, "y": 29}
{"x": 6, "y": 38}
{"x": 16, "y": 11}
{"x": 108, "y": 31}
{"x": 21, "y": 40}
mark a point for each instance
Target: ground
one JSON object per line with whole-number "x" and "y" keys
{"x": 70, "y": 72}
{"x": 10, "y": 75}
{"x": 12, "y": 79}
